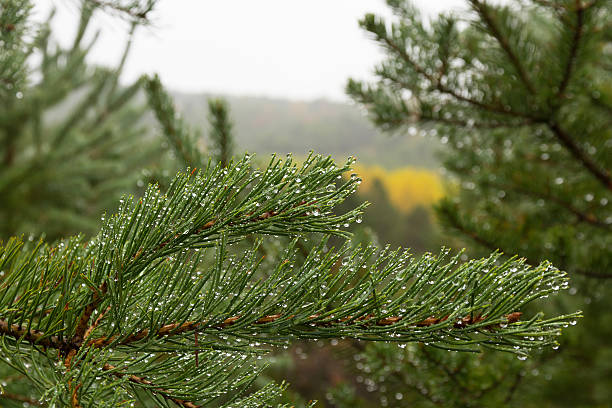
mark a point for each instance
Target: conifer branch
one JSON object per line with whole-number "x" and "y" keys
{"x": 601, "y": 174}
{"x": 587, "y": 218}
{"x": 149, "y": 385}
{"x": 34, "y": 337}
{"x": 83, "y": 324}
{"x": 220, "y": 131}
{"x": 527, "y": 119}
{"x": 377, "y": 28}
{"x": 471, "y": 124}
{"x": 134, "y": 10}
{"x": 178, "y": 329}
{"x": 484, "y": 11}
{"x": 581, "y": 216}
{"x": 550, "y": 62}
{"x": 455, "y": 223}
{"x": 182, "y": 139}
{"x": 74, "y": 398}
{"x": 571, "y": 59}
{"x": 153, "y": 284}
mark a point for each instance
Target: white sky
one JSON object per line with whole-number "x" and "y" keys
{"x": 296, "y": 49}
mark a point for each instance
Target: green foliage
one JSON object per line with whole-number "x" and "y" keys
{"x": 186, "y": 141}
{"x": 521, "y": 97}
{"x": 183, "y": 140}
{"x": 165, "y": 306}
{"x": 13, "y": 26}
{"x": 67, "y": 130}
{"x": 154, "y": 305}
{"x": 444, "y": 379}
{"x": 220, "y": 131}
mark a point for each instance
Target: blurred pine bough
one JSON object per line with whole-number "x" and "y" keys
{"x": 72, "y": 137}
{"x": 160, "y": 309}
{"x": 521, "y": 94}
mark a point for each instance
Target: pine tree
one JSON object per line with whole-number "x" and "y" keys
{"x": 73, "y": 139}
{"x": 521, "y": 95}
{"x": 159, "y": 309}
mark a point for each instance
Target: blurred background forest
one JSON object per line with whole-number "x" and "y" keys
{"x": 483, "y": 174}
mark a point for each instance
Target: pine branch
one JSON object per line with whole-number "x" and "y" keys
{"x": 351, "y": 319}
{"x": 484, "y": 12}
{"x": 149, "y": 385}
{"x": 601, "y": 174}
{"x": 182, "y": 139}
{"x": 235, "y": 209}
{"x": 34, "y": 337}
{"x": 149, "y": 284}
{"x": 526, "y": 119}
{"x": 450, "y": 216}
{"x": 547, "y": 62}
{"x": 377, "y": 28}
{"x": 540, "y": 193}
{"x": 132, "y": 9}
{"x": 471, "y": 124}
{"x": 587, "y": 218}
{"x": 74, "y": 398}
{"x": 220, "y": 131}
{"x": 356, "y": 315}
{"x": 83, "y": 325}
{"x": 178, "y": 329}
{"x": 571, "y": 60}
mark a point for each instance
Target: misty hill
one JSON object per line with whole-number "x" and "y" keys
{"x": 264, "y": 125}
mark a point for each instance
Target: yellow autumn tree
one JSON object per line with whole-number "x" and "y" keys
{"x": 407, "y": 187}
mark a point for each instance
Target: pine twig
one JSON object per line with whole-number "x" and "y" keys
{"x": 31, "y": 336}
{"x": 173, "y": 329}
{"x": 82, "y": 326}
{"x": 571, "y": 60}
{"x": 96, "y": 323}
{"x": 74, "y": 399}
{"x": 440, "y": 87}
{"x": 151, "y": 386}
{"x": 483, "y": 10}
{"x": 575, "y": 150}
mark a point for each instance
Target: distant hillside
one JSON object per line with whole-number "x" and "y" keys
{"x": 265, "y": 125}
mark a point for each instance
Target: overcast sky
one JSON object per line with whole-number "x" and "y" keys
{"x": 297, "y": 49}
